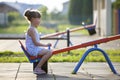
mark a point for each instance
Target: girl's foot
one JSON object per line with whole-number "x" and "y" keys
{"x": 39, "y": 71}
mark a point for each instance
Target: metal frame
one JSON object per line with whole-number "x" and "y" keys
{"x": 86, "y": 54}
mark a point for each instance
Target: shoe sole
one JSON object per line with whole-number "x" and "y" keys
{"x": 38, "y": 73}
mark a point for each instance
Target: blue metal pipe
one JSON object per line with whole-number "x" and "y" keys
{"x": 85, "y": 55}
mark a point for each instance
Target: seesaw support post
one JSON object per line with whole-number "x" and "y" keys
{"x": 90, "y": 50}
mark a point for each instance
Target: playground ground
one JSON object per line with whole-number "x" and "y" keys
{"x": 59, "y": 71}
{"x": 13, "y": 45}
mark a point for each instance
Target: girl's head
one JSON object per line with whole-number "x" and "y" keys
{"x": 33, "y": 16}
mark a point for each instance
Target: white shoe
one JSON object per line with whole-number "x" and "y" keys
{"x": 39, "y": 71}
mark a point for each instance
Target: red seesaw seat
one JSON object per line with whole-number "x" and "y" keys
{"x": 34, "y": 59}
{"x": 30, "y": 58}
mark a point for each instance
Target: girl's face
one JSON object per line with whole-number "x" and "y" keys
{"x": 35, "y": 22}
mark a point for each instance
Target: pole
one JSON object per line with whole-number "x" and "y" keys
{"x": 68, "y": 39}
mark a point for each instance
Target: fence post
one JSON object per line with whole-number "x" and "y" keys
{"x": 68, "y": 38}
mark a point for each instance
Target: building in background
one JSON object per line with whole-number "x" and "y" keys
{"x": 6, "y": 7}
{"x": 65, "y": 8}
{"x": 116, "y": 17}
{"x": 102, "y": 12}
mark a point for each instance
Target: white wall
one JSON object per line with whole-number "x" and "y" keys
{"x": 102, "y": 9}
{"x": 3, "y": 19}
{"x": 108, "y": 17}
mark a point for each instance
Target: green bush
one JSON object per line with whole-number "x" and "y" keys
{"x": 116, "y": 4}
{"x": 13, "y": 16}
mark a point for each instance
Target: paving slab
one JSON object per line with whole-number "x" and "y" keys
{"x": 26, "y": 72}
{"x": 8, "y": 71}
{"x": 87, "y": 71}
{"x": 59, "y": 71}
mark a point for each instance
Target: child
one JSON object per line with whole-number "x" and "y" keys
{"x": 33, "y": 45}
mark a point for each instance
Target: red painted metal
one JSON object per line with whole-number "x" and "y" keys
{"x": 71, "y": 30}
{"x": 91, "y": 43}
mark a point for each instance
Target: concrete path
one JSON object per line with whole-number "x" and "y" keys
{"x": 59, "y": 71}
{"x": 13, "y": 45}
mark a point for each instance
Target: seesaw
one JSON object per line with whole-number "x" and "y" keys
{"x": 88, "y": 27}
{"x": 34, "y": 59}
{"x": 91, "y": 43}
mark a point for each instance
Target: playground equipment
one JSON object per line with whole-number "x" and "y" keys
{"x": 91, "y": 43}
{"x": 71, "y": 30}
{"x": 95, "y": 48}
{"x": 34, "y": 59}
{"x": 90, "y": 28}
{"x": 65, "y": 37}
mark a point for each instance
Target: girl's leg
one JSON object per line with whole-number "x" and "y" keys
{"x": 46, "y": 55}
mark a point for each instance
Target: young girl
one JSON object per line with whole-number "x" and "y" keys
{"x": 33, "y": 45}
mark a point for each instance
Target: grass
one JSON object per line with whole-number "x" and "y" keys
{"x": 9, "y": 56}
{"x": 23, "y": 28}
{"x": 20, "y": 27}
{"x": 74, "y": 56}
{"x": 94, "y": 56}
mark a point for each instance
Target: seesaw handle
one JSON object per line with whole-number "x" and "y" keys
{"x": 49, "y": 47}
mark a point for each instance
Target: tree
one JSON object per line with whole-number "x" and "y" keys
{"x": 13, "y": 16}
{"x": 43, "y": 11}
{"x": 87, "y": 12}
{"x": 80, "y": 10}
{"x": 57, "y": 16}
{"x": 54, "y": 14}
{"x": 116, "y": 4}
{"x": 75, "y": 11}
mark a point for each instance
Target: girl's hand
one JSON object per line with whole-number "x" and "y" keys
{"x": 49, "y": 44}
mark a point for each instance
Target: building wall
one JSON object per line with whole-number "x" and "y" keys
{"x": 65, "y": 8}
{"x": 6, "y": 7}
{"x": 3, "y": 19}
{"x": 102, "y": 11}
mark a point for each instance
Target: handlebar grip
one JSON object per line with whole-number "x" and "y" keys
{"x": 49, "y": 47}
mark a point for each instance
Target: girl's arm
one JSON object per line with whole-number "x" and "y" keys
{"x": 31, "y": 33}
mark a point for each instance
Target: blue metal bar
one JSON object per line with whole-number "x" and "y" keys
{"x": 62, "y": 36}
{"x": 81, "y": 60}
{"x": 85, "y": 55}
{"x": 71, "y": 43}
{"x": 58, "y": 40}
{"x": 108, "y": 60}
{"x": 48, "y": 47}
{"x": 56, "y": 43}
